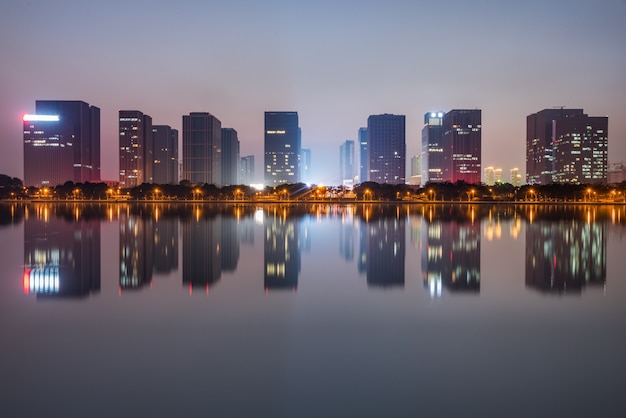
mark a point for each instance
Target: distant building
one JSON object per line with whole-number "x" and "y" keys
{"x": 230, "y": 157}
{"x": 493, "y": 176}
{"x": 346, "y": 161}
{"x": 61, "y": 143}
{"x": 616, "y": 172}
{"x": 416, "y": 170}
{"x": 363, "y": 156}
{"x": 246, "y": 173}
{"x": 566, "y": 146}
{"x": 386, "y": 143}
{"x": 433, "y": 157}
{"x": 202, "y": 142}
{"x": 305, "y": 165}
{"x": 516, "y": 177}
{"x": 282, "y": 148}
{"x": 462, "y": 145}
{"x": 165, "y": 154}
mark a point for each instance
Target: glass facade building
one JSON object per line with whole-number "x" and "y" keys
{"x": 282, "y": 148}
{"x": 202, "y": 142}
{"x": 432, "y": 148}
{"x": 61, "y": 143}
{"x": 386, "y": 142}
{"x": 165, "y": 153}
{"x": 136, "y": 148}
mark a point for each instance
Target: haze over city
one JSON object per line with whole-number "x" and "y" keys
{"x": 335, "y": 63}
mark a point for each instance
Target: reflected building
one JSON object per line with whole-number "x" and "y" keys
{"x": 346, "y": 236}
{"x": 202, "y": 259}
{"x": 382, "y": 251}
{"x": 229, "y": 243}
{"x": 165, "y": 243}
{"x": 281, "y": 253}
{"x": 61, "y": 258}
{"x": 450, "y": 256}
{"x": 565, "y": 256}
{"x": 136, "y": 251}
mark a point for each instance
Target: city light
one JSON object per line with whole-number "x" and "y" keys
{"x": 41, "y": 118}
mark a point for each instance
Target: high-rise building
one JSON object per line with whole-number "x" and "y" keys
{"x": 165, "y": 154}
{"x": 581, "y": 150}
{"x": 462, "y": 145}
{"x": 202, "y": 142}
{"x": 433, "y": 161}
{"x": 282, "y": 148}
{"x": 386, "y": 142}
{"x": 61, "y": 143}
{"x": 540, "y": 135}
{"x": 230, "y": 157}
{"x": 305, "y": 165}
{"x": 135, "y": 146}
{"x": 415, "y": 177}
{"x": 490, "y": 176}
{"x": 363, "y": 156}
{"x": 346, "y": 161}
{"x": 246, "y": 175}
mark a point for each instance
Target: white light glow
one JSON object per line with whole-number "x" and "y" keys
{"x": 41, "y": 118}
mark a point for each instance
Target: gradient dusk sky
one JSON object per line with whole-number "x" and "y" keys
{"x": 334, "y": 62}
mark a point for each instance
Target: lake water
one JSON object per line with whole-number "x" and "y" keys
{"x": 312, "y": 310}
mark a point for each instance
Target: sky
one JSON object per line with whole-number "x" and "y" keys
{"x": 334, "y": 62}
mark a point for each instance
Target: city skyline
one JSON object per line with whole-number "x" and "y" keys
{"x": 508, "y": 76}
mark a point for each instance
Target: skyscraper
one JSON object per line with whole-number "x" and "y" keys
{"x": 386, "y": 143}
{"x": 165, "y": 153}
{"x": 136, "y": 148}
{"x": 363, "y": 156}
{"x": 230, "y": 157}
{"x": 282, "y": 148}
{"x": 61, "y": 143}
{"x": 202, "y": 141}
{"x": 346, "y": 162}
{"x": 462, "y": 145}
{"x": 415, "y": 175}
{"x": 516, "y": 177}
{"x": 432, "y": 148}
{"x": 246, "y": 175}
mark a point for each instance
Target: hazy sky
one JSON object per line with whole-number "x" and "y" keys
{"x": 334, "y": 62}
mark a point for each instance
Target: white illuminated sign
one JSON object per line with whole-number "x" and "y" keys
{"x": 41, "y": 118}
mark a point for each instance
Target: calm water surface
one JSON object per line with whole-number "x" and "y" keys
{"x": 312, "y": 310}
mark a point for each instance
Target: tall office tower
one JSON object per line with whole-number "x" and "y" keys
{"x": 540, "y": 136}
{"x": 282, "y": 148}
{"x": 516, "y": 177}
{"x": 363, "y": 157}
{"x": 305, "y": 165}
{"x": 386, "y": 143}
{"x": 432, "y": 148}
{"x": 165, "y": 154}
{"x": 581, "y": 149}
{"x": 346, "y": 162}
{"x": 230, "y": 157}
{"x": 202, "y": 142}
{"x": 61, "y": 143}
{"x": 136, "y": 157}
{"x": 462, "y": 145}
{"x": 246, "y": 175}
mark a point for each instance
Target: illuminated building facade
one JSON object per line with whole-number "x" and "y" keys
{"x": 282, "y": 148}
{"x": 165, "y": 154}
{"x": 433, "y": 161}
{"x": 461, "y": 142}
{"x": 61, "y": 143}
{"x": 202, "y": 142}
{"x": 540, "y": 139}
{"x": 230, "y": 157}
{"x": 363, "y": 156}
{"x": 386, "y": 144}
{"x": 136, "y": 148}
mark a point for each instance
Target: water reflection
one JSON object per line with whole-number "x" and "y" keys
{"x": 565, "y": 246}
{"x": 61, "y": 256}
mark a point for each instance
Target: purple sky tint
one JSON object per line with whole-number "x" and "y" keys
{"x": 335, "y": 62}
